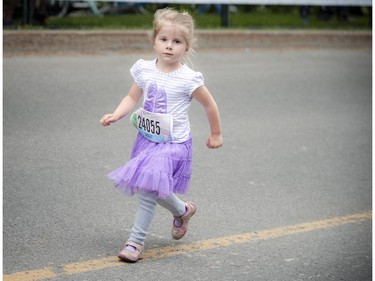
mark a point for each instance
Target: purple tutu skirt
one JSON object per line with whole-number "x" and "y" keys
{"x": 160, "y": 168}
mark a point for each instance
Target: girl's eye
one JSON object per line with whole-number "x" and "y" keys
{"x": 177, "y": 41}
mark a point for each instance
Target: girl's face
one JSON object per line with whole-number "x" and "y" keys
{"x": 170, "y": 46}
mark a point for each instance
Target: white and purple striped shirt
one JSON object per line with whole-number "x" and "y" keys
{"x": 178, "y": 85}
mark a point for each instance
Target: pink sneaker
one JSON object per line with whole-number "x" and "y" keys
{"x": 131, "y": 256}
{"x": 179, "y": 232}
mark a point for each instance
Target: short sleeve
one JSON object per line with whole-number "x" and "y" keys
{"x": 196, "y": 82}
{"x": 136, "y": 72}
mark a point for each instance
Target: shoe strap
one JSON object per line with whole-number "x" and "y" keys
{"x": 135, "y": 245}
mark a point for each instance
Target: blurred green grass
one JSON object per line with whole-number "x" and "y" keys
{"x": 244, "y": 17}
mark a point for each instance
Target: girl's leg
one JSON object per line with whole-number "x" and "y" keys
{"x": 143, "y": 217}
{"x": 175, "y": 205}
{"x": 181, "y": 211}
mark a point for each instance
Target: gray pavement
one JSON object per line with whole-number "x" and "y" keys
{"x": 72, "y": 42}
{"x": 297, "y": 149}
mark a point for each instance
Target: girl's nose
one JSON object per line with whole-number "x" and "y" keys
{"x": 169, "y": 45}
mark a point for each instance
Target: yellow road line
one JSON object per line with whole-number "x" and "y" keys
{"x": 175, "y": 250}
{"x": 38, "y": 274}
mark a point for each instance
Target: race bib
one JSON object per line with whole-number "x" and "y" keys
{"x": 156, "y": 127}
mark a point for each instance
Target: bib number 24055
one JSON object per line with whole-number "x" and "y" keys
{"x": 156, "y": 127}
{"x": 148, "y": 125}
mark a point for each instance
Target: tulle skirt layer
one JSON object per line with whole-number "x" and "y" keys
{"x": 161, "y": 168}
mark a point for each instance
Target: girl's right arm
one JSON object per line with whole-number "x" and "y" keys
{"x": 126, "y": 105}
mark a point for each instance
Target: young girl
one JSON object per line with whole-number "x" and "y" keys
{"x": 160, "y": 164}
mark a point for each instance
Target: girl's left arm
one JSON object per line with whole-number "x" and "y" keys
{"x": 125, "y": 106}
{"x": 204, "y": 97}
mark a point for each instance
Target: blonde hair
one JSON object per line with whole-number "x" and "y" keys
{"x": 184, "y": 20}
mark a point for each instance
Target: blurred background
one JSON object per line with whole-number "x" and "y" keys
{"x": 56, "y": 14}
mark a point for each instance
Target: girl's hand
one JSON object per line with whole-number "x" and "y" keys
{"x": 214, "y": 141}
{"x": 108, "y": 119}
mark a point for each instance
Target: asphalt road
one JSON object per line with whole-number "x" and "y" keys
{"x": 297, "y": 153}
